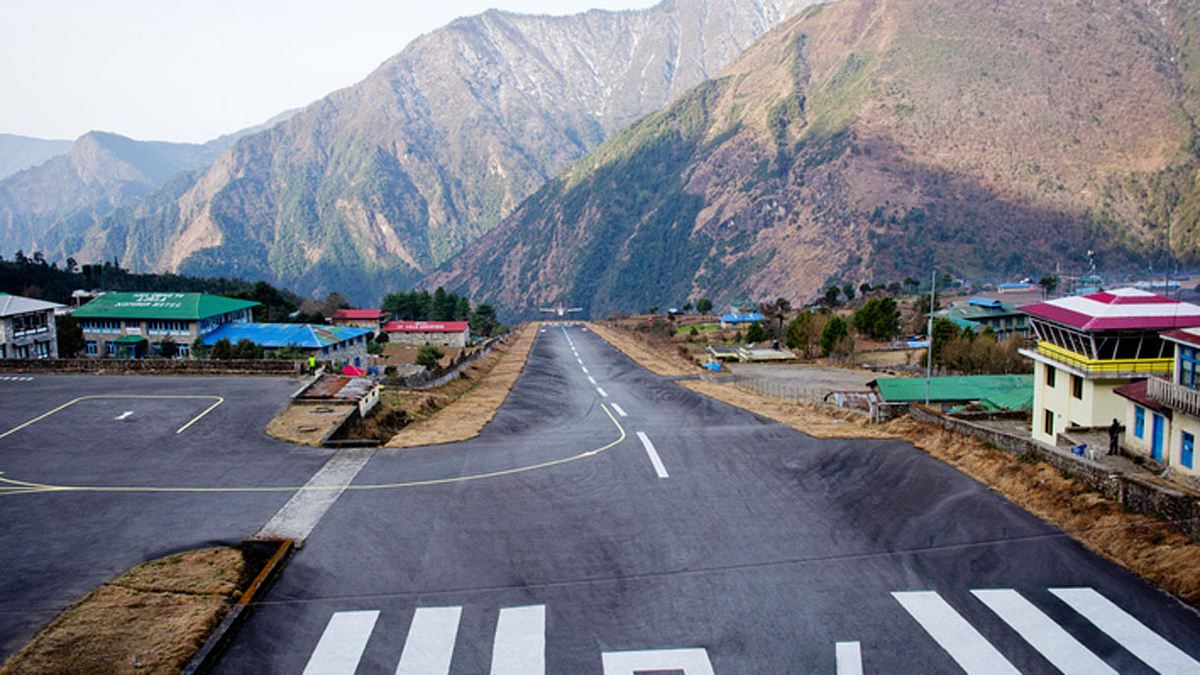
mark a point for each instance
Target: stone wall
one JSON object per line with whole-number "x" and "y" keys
{"x": 152, "y": 366}
{"x": 1133, "y": 492}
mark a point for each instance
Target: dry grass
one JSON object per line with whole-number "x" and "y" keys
{"x": 459, "y": 410}
{"x": 307, "y": 424}
{"x": 660, "y": 360}
{"x": 151, "y": 619}
{"x": 1152, "y": 549}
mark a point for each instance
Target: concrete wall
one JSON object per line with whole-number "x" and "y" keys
{"x": 1098, "y": 406}
{"x": 1132, "y": 492}
{"x": 1182, "y": 423}
{"x": 153, "y": 366}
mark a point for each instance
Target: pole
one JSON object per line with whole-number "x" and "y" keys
{"x": 929, "y": 333}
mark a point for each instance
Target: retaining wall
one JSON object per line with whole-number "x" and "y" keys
{"x": 153, "y": 366}
{"x": 1133, "y": 492}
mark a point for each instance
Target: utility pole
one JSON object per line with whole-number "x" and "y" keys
{"x": 929, "y": 332}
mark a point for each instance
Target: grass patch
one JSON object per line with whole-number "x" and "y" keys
{"x": 151, "y": 619}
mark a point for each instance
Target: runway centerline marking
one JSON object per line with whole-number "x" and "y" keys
{"x": 654, "y": 458}
{"x": 124, "y": 415}
{"x": 585, "y": 370}
{"x": 620, "y": 410}
{"x": 591, "y": 379}
{"x": 12, "y": 486}
{"x": 601, "y": 392}
{"x": 219, "y": 400}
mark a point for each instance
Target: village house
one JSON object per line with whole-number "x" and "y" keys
{"x": 437, "y": 333}
{"x": 27, "y": 328}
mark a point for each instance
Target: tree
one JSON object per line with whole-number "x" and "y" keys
{"x": 69, "y": 336}
{"x": 778, "y": 311}
{"x": 944, "y": 331}
{"x": 483, "y": 321}
{"x": 222, "y": 350}
{"x": 704, "y": 305}
{"x": 755, "y": 333}
{"x": 894, "y": 288}
{"x": 911, "y": 285}
{"x": 693, "y": 333}
{"x": 848, "y": 290}
{"x": 1049, "y": 284}
{"x": 687, "y": 307}
{"x": 879, "y": 318}
{"x": 167, "y": 348}
{"x": 428, "y": 356}
{"x": 865, "y": 288}
{"x": 72, "y": 265}
{"x": 247, "y": 350}
{"x": 198, "y": 350}
{"x": 804, "y": 331}
{"x": 834, "y": 336}
{"x": 831, "y": 296}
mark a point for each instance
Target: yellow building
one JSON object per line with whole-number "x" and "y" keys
{"x": 1089, "y": 345}
{"x": 1162, "y": 414}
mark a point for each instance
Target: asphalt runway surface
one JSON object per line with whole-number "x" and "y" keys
{"x": 609, "y": 521}
{"x": 56, "y": 546}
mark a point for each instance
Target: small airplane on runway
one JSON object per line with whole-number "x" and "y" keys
{"x": 560, "y": 311}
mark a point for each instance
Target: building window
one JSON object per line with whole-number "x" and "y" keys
{"x": 1048, "y": 423}
{"x": 1139, "y": 421}
{"x": 1050, "y": 373}
{"x": 1185, "y": 451}
{"x": 110, "y": 348}
{"x": 1189, "y": 368}
{"x": 1077, "y": 386}
{"x": 89, "y": 347}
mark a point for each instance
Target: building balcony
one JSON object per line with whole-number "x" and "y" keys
{"x": 1174, "y": 396}
{"x": 1098, "y": 369}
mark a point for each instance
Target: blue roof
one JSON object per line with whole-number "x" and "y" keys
{"x": 280, "y": 335}
{"x": 986, "y": 302}
{"x": 1014, "y": 284}
{"x": 742, "y": 318}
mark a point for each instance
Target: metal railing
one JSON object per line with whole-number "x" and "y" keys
{"x": 1174, "y": 396}
{"x": 1101, "y": 367}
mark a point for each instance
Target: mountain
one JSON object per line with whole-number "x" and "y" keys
{"x": 376, "y": 184}
{"x": 22, "y": 152}
{"x": 867, "y": 140}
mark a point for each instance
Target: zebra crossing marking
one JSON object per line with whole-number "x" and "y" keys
{"x": 430, "y": 643}
{"x": 15, "y": 378}
{"x": 849, "y": 658}
{"x": 1047, "y": 637}
{"x": 520, "y": 643}
{"x": 342, "y": 644}
{"x": 954, "y": 634}
{"x": 688, "y": 661}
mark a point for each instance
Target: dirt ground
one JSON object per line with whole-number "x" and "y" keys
{"x": 307, "y": 424}
{"x": 459, "y": 410}
{"x": 1153, "y": 549}
{"x": 810, "y": 376}
{"x": 658, "y": 360}
{"x": 151, "y": 619}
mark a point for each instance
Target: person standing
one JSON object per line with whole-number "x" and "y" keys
{"x": 1114, "y": 436}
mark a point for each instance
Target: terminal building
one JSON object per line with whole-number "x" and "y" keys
{"x": 1090, "y": 345}
{"x": 137, "y": 324}
{"x": 27, "y": 328}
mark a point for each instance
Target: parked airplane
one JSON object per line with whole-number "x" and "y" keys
{"x": 559, "y": 310}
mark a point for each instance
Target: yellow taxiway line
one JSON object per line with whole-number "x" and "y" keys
{"x": 10, "y": 486}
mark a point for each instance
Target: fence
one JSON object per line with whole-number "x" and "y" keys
{"x": 430, "y": 379}
{"x": 154, "y": 366}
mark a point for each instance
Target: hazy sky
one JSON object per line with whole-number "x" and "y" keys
{"x": 191, "y": 70}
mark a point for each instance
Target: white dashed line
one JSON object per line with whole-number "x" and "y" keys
{"x": 123, "y": 415}
{"x": 654, "y": 458}
{"x": 591, "y": 379}
{"x": 585, "y": 370}
{"x": 602, "y": 392}
{"x": 619, "y": 409}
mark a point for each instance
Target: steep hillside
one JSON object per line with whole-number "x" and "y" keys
{"x": 869, "y": 139}
{"x": 378, "y": 183}
{"x": 21, "y": 152}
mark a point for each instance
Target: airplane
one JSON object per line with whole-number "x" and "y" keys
{"x": 560, "y": 311}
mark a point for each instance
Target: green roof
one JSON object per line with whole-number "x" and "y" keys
{"x": 129, "y": 339}
{"x": 178, "y": 306}
{"x": 1006, "y": 392}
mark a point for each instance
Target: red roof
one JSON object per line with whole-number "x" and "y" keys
{"x": 425, "y": 326}
{"x": 1121, "y": 309}
{"x": 358, "y": 314}
{"x": 1136, "y": 391}
{"x": 1186, "y": 335}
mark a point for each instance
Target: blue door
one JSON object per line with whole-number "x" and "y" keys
{"x": 1156, "y": 439}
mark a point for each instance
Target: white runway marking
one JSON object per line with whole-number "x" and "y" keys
{"x": 430, "y": 643}
{"x": 520, "y": 644}
{"x": 579, "y": 360}
{"x": 849, "y": 658}
{"x": 619, "y": 409}
{"x": 342, "y": 644}
{"x": 654, "y": 458}
{"x": 947, "y": 627}
{"x": 304, "y": 510}
{"x": 591, "y": 379}
{"x": 124, "y": 415}
{"x": 687, "y": 661}
{"x": 1130, "y": 633}
{"x": 1043, "y": 634}
{"x": 601, "y": 392}
{"x": 585, "y": 370}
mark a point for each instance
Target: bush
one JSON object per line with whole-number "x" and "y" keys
{"x": 879, "y": 319}
{"x": 834, "y": 336}
{"x": 756, "y": 333}
{"x": 428, "y": 356}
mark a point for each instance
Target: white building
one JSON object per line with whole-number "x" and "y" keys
{"x": 27, "y": 328}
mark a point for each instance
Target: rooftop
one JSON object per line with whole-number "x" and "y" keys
{"x": 1189, "y": 336}
{"x": 1002, "y": 392}
{"x": 425, "y": 326}
{"x": 178, "y": 306}
{"x": 358, "y": 314}
{"x": 1136, "y": 391}
{"x": 12, "y": 305}
{"x": 281, "y": 335}
{"x": 1122, "y": 309}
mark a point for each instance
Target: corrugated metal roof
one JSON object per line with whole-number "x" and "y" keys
{"x": 358, "y": 314}
{"x": 1000, "y": 389}
{"x": 281, "y": 335}
{"x": 1122, "y": 309}
{"x": 177, "y": 306}
{"x": 12, "y": 305}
